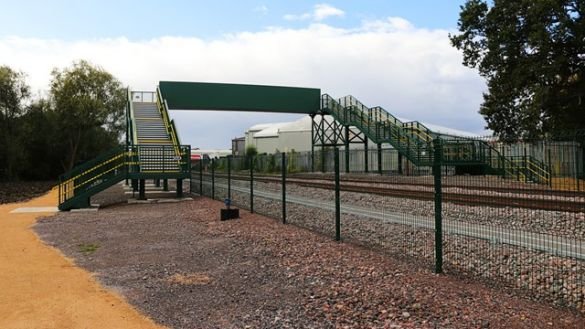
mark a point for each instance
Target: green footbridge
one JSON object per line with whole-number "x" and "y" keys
{"x": 153, "y": 149}
{"x": 417, "y": 143}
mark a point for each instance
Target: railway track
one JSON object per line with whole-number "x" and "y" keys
{"x": 525, "y": 197}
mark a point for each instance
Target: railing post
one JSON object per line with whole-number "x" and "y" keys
{"x": 283, "y": 169}
{"x": 337, "y": 198}
{"x": 213, "y": 179}
{"x": 252, "y": 184}
{"x": 437, "y": 161}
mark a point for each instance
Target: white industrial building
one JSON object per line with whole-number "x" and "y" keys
{"x": 296, "y": 135}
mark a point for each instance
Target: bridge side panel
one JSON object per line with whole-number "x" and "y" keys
{"x": 238, "y": 97}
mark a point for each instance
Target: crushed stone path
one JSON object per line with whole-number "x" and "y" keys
{"x": 41, "y": 288}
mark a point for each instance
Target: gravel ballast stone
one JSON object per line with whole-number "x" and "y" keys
{"x": 184, "y": 268}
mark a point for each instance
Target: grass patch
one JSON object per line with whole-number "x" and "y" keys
{"x": 88, "y": 248}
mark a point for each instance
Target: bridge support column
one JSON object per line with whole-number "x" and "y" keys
{"x": 134, "y": 183}
{"x": 380, "y": 158}
{"x": 366, "y": 165}
{"x": 165, "y": 184}
{"x": 157, "y": 182}
{"x": 179, "y": 188}
{"x": 399, "y": 163}
{"x": 142, "y": 190}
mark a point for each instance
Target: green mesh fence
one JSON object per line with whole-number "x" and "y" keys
{"x": 511, "y": 214}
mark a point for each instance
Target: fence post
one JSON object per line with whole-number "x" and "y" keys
{"x": 252, "y": 184}
{"x": 213, "y": 179}
{"x": 201, "y": 176}
{"x": 337, "y": 198}
{"x": 283, "y": 170}
{"x": 526, "y": 171}
{"x": 576, "y": 165}
{"x": 229, "y": 177}
{"x": 549, "y": 168}
{"x": 437, "y": 161}
{"x": 347, "y": 149}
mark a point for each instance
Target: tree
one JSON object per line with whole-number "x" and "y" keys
{"x": 251, "y": 151}
{"x": 89, "y": 106}
{"x": 13, "y": 93}
{"x": 532, "y": 54}
{"x": 41, "y": 149}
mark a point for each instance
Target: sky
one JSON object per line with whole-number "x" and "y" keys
{"x": 394, "y": 54}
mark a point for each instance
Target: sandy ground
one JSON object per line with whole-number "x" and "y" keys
{"x": 41, "y": 288}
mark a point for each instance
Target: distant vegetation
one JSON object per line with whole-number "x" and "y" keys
{"x": 40, "y": 138}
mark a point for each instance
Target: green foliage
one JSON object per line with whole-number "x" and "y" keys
{"x": 89, "y": 104}
{"x": 41, "y": 138}
{"x": 531, "y": 54}
{"x": 292, "y": 166}
{"x": 13, "y": 93}
{"x": 251, "y": 151}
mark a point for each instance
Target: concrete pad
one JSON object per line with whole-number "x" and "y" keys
{"x": 34, "y": 209}
{"x": 134, "y": 201}
{"x": 84, "y": 210}
{"x": 154, "y": 192}
{"x": 149, "y": 201}
{"x": 174, "y": 200}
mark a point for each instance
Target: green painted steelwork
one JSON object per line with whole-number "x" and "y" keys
{"x": 239, "y": 97}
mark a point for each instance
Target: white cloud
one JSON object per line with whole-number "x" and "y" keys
{"x": 319, "y": 13}
{"x": 414, "y": 73}
{"x": 263, "y": 10}
{"x": 324, "y": 10}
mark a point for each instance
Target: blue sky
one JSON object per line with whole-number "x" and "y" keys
{"x": 75, "y": 20}
{"x": 394, "y": 54}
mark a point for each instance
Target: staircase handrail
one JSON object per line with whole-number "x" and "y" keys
{"x": 132, "y": 119}
{"x": 92, "y": 169}
{"x": 163, "y": 107}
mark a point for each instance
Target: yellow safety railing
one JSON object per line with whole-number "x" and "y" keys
{"x": 535, "y": 169}
{"x": 163, "y": 109}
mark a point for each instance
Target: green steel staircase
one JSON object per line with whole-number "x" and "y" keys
{"x": 152, "y": 150}
{"x": 415, "y": 142}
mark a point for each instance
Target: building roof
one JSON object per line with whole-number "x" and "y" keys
{"x": 304, "y": 124}
{"x": 271, "y": 131}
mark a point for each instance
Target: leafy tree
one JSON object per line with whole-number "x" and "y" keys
{"x": 38, "y": 136}
{"x": 13, "y": 94}
{"x": 89, "y": 106}
{"x": 532, "y": 54}
{"x": 251, "y": 151}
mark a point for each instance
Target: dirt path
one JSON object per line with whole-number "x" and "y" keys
{"x": 41, "y": 288}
